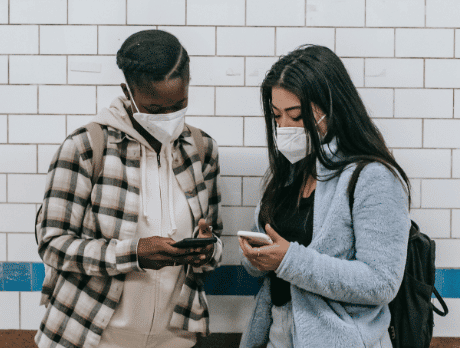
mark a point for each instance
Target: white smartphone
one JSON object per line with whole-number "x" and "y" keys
{"x": 255, "y": 238}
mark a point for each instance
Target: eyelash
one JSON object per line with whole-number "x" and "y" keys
{"x": 275, "y": 116}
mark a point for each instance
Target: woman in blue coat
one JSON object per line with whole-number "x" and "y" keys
{"x": 332, "y": 269}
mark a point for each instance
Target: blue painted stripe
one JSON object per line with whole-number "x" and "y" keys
{"x": 226, "y": 280}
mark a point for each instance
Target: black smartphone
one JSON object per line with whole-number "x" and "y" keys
{"x": 194, "y": 242}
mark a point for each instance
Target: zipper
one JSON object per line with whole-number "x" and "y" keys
{"x": 158, "y": 160}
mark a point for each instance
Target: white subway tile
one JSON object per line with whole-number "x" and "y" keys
{"x": 245, "y": 41}
{"x": 18, "y": 159}
{"x": 288, "y": 39}
{"x": 230, "y": 189}
{"x": 433, "y": 222}
{"x": 401, "y": 133}
{"x": 3, "y": 129}
{"x": 200, "y": 101}
{"x": 112, "y": 37}
{"x": 37, "y": 129}
{"x": 455, "y": 223}
{"x": 447, "y": 255}
{"x": 31, "y": 312}
{"x": 378, "y": 101}
{"x": 19, "y": 39}
{"x": 443, "y": 13}
{"x": 97, "y": 11}
{"x": 9, "y": 303}
{"x": 155, "y": 12}
{"x": 68, "y": 39}
{"x": 275, "y": 13}
{"x": 75, "y": 122}
{"x": 441, "y": 133}
{"x": 243, "y": 161}
{"x": 256, "y": 69}
{"x": 67, "y": 100}
{"x": 227, "y": 131}
{"x": 231, "y": 254}
{"x": 237, "y": 219}
{"x": 424, "y": 103}
{"x": 4, "y": 69}
{"x": 395, "y": 13}
{"x": 38, "y": 69}
{"x": 238, "y": 101}
{"x": 416, "y": 199}
{"x": 333, "y": 13}
{"x": 198, "y": 41}
{"x": 18, "y": 99}
{"x": 230, "y": 313}
{"x": 355, "y": 68}
{"x": 456, "y": 163}
{"x": 447, "y": 326}
{"x": 440, "y": 193}
{"x": 4, "y": 11}
{"x": 424, "y": 163}
{"x": 17, "y": 218}
{"x": 2, "y": 247}
{"x": 394, "y": 72}
{"x": 252, "y": 191}
{"x": 216, "y": 12}
{"x": 26, "y": 188}
{"x": 106, "y": 95}
{"x": 217, "y": 71}
{"x": 364, "y": 42}
{"x": 38, "y": 12}
{"x": 457, "y": 103}
{"x": 457, "y": 43}
{"x": 2, "y": 187}
{"x": 22, "y": 247}
{"x": 424, "y": 43}
{"x": 442, "y": 73}
{"x": 254, "y": 131}
{"x": 45, "y": 155}
{"x": 92, "y": 70}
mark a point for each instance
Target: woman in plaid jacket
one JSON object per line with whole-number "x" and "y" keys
{"x": 113, "y": 278}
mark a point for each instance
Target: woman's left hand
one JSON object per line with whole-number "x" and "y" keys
{"x": 268, "y": 257}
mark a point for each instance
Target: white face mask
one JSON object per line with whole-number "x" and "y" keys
{"x": 293, "y": 142}
{"x": 164, "y": 127}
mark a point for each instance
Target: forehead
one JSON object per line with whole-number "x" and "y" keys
{"x": 166, "y": 92}
{"x": 283, "y": 99}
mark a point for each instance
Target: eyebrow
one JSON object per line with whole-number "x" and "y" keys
{"x": 288, "y": 109}
{"x": 161, "y": 106}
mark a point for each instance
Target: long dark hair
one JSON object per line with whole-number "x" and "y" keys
{"x": 316, "y": 75}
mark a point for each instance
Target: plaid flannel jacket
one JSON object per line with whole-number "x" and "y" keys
{"x": 79, "y": 231}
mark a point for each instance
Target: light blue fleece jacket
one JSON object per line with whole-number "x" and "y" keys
{"x": 342, "y": 282}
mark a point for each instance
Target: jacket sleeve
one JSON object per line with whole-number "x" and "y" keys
{"x": 381, "y": 226}
{"x": 67, "y": 195}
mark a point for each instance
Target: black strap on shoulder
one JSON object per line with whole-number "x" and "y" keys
{"x": 97, "y": 138}
{"x": 199, "y": 142}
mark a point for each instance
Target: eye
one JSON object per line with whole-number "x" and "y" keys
{"x": 297, "y": 118}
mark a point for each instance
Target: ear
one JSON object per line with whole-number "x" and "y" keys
{"x": 125, "y": 91}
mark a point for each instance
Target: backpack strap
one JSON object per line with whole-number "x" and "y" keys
{"x": 199, "y": 142}
{"x": 97, "y": 137}
{"x": 443, "y": 304}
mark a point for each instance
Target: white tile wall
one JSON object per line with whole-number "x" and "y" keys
{"x": 287, "y": 39}
{"x": 74, "y": 122}
{"x": 36, "y": 129}
{"x": 45, "y": 155}
{"x": 238, "y": 101}
{"x": 425, "y": 43}
{"x": 26, "y": 188}
{"x": 448, "y": 326}
{"x": 243, "y": 161}
{"x": 230, "y": 189}
{"x": 18, "y": 39}
{"x": 416, "y": 185}
{"x": 198, "y": 41}
{"x": 200, "y": 101}
{"x": 3, "y": 69}
{"x": 17, "y": 218}
{"x": 92, "y": 70}
{"x": 18, "y": 159}
{"x": 227, "y": 131}
{"x": 433, "y": 222}
{"x": 378, "y": 101}
{"x": 68, "y": 39}
{"x": 394, "y": 72}
{"x": 441, "y": 133}
{"x": 38, "y": 12}
{"x": 424, "y": 103}
{"x": 217, "y": 71}
{"x": 97, "y": 11}
{"x": 245, "y": 220}
{"x": 31, "y": 313}
{"x": 3, "y": 188}
{"x": 456, "y": 223}
{"x": 9, "y": 303}
{"x": 3, "y": 246}
{"x": 38, "y": 69}
{"x": 3, "y": 129}
{"x": 456, "y": 163}
{"x": 231, "y": 256}
{"x": 395, "y": 13}
{"x": 110, "y": 38}
{"x": 106, "y": 94}
{"x": 439, "y": 193}
{"x": 447, "y": 255}
{"x": 414, "y": 162}
{"x": 18, "y": 99}
{"x": 22, "y": 247}
{"x": 442, "y": 13}
{"x": 156, "y": 12}
{"x": 401, "y": 133}
{"x": 216, "y": 12}
{"x": 64, "y": 100}
{"x": 333, "y": 13}
{"x": 274, "y": 12}
{"x": 442, "y": 73}
{"x": 256, "y": 68}
{"x": 252, "y": 191}
{"x": 4, "y": 11}
{"x": 254, "y": 131}
{"x": 354, "y": 42}
{"x": 245, "y": 41}
{"x": 355, "y": 68}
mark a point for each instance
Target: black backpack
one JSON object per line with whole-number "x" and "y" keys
{"x": 411, "y": 310}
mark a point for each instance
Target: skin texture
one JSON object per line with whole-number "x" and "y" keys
{"x": 287, "y": 111}
{"x": 165, "y": 97}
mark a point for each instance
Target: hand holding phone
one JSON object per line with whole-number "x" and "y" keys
{"x": 255, "y": 238}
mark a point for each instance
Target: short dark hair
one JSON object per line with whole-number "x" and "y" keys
{"x": 151, "y": 56}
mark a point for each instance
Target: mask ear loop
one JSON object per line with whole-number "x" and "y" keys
{"x": 131, "y": 96}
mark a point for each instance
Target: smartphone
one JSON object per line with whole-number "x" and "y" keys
{"x": 255, "y": 238}
{"x": 194, "y": 242}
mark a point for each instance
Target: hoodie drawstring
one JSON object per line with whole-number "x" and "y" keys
{"x": 171, "y": 196}
{"x": 143, "y": 182}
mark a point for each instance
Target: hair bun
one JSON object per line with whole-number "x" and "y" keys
{"x": 127, "y": 64}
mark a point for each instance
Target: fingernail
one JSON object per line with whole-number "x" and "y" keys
{"x": 202, "y": 257}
